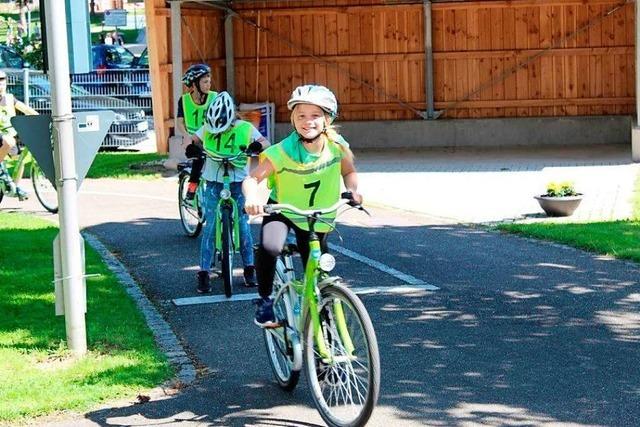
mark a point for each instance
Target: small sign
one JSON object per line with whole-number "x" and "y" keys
{"x": 91, "y": 124}
{"x": 115, "y": 18}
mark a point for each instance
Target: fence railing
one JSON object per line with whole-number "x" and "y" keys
{"x": 126, "y": 92}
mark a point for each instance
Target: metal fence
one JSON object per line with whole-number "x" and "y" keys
{"x": 126, "y": 92}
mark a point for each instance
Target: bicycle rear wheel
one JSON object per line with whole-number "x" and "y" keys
{"x": 189, "y": 214}
{"x": 280, "y": 345}
{"x": 227, "y": 250}
{"x": 344, "y": 388}
{"x": 45, "y": 191}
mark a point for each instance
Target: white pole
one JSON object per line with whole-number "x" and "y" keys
{"x": 176, "y": 58}
{"x": 67, "y": 184}
{"x": 635, "y": 130}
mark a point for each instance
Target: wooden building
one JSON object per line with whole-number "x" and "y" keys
{"x": 389, "y": 60}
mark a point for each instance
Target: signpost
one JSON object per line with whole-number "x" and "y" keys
{"x": 115, "y": 18}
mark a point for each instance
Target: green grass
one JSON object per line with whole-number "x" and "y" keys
{"x": 125, "y": 165}
{"x": 617, "y": 238}
{"x": 116, "y": 165}
{"x": 39, "y": 376}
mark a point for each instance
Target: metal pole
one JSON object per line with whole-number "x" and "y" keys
{"x": 228, "y": 49}
{"x": 25, "y": 85}
{"x": 71, "y": 255}
{"x": 176, "y": 58}
{"x": 637, "y": 64}
{"x": 428, "y": 59}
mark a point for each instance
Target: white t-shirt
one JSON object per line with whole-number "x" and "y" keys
{"x": 213, "y": 170}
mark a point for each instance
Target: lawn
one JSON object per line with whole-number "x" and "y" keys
{"x": 617, "y": 238}
{"x": 119, "y": 165}
{"x": 39, "y": 375}
{"x": 126, "y": 165}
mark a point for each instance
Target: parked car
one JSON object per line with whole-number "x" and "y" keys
{"x": 109, "y": 57}
{"x": 129, "y": 128}
{"x": 142, "y": 60}
{"x": 10, "y": 58}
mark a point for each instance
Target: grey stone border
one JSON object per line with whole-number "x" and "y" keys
{"x": 165, "y": 338}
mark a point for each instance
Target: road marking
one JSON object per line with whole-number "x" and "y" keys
{"x": 382, "y": 267}
{"x": 214, "y": 299}
{"x": 136, "y": 195}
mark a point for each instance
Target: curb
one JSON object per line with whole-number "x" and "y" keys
{"x": 164, "y": 336}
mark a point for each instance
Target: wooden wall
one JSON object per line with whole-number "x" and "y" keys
{"x": 512, "y": 58}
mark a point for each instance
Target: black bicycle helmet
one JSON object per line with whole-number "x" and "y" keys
{"x": 194, "y": 73}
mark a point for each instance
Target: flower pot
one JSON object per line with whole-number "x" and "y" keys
{"x": 559, "y": 206}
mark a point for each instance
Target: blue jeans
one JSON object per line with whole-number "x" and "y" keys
{"x": 211, "y": 198}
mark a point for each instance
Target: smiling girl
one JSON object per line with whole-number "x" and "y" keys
{"x": 304, "y": 170}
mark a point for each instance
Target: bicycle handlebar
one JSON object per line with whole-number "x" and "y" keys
{"x": 346, "y": 199}
{"x": 244, "y": 151}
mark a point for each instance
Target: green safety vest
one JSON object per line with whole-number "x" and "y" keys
{"x": 6, "y": 112}
{"x": 194, "y": 114}
{"x": 311, "y": 185}
{"x": 228, "y": 143}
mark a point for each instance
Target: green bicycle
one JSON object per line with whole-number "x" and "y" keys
{"x": 323, "y": 325}
{"x": 227, "y": 237}
{"x": 44, "y": 190}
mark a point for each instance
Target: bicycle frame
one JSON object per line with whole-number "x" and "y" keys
{"x": 18, "y": 170}
{"x": 307, "y": 293}
{"x": 226, "y": 202}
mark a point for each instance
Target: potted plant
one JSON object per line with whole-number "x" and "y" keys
{"x": 561, "y": 199}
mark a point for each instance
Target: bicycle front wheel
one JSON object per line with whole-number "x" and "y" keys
{"x": 190, "y": 212}
{"x": 282, "y": 345}
{"x": 45, "y": 191}
{"x": 227, "y": 251}
{"x": 345, "y": 385}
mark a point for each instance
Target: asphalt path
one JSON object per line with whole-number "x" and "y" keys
{"x": 520, "y": 332}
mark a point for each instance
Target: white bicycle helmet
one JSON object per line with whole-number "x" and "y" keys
{"x": 221, "y": 113}
{"x": 316, "y": 95}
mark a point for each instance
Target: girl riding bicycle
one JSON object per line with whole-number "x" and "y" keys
{"x": 192, "y": 109}
{"x": 303, "y": 170}
{"x": 8, "y": 106}
{"x": 224, "y": 135}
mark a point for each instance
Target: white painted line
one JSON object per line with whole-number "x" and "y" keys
{"x": 397, "y": 290}
{"x": 214, "y": 299}
{"x": 382, "y": 267}
{"x": 136, "y": 195}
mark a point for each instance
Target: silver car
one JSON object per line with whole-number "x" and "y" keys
{"x": 129, "y": 128}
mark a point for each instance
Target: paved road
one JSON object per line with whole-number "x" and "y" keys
{"x": 519, "y": 333}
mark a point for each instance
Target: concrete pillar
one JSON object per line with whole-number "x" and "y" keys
{"x": 176, "y": 57}
{"x": 635, "y": 132}
{"x": 428, "y": 59}
{"x": 229, "y": 54}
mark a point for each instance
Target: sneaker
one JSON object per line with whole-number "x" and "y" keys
{"x": 21, "y": 194}
{"x": 264, "y": 313}
{"x": 250, "y": 276}
{"x": 204, "y": 286}
{"x": 191, "y": 191}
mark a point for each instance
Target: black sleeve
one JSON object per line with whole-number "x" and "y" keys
{"x": 180, "y": 108}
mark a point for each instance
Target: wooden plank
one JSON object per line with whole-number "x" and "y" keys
{"x": 490, "y": 4}
{"x": 461, "y": 76}
{"x": 522, "y": 87}
{"x": 438, "y": 31}
{"x": 547, "y": 74}
{"x": 331, "y": 34}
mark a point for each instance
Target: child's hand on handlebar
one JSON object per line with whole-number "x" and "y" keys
{"x": 253, "y": 208}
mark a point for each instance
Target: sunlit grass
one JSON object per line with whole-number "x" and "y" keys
{"x": 616, "y": 238}
{"x": 39, "y": 375}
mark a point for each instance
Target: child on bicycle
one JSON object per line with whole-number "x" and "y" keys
{"x": 8, "y": 106}
{"x": 192, "y": 109}
{"x": 223, "y": 135}
{"x": 303, "y": 170}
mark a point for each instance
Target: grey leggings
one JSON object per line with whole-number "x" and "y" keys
{"x": 273, "y": 235}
